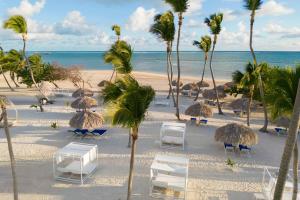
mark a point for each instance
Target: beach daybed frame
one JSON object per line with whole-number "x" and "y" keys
{"x": 169, "y": 173}
{"x": 172, "y": 134}
{"x": 75, "y": 163}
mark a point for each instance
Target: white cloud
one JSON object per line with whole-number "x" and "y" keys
{"x": 73, "y": 24}
{"x": 230, "y": 15}
{"x": 240, "y": 37}
{"x": 26, "y": 8}
{"x": 273, "y": 8}
{"x": 192, "y": 23}
{"x": 141, "y": 19}
{"x": 283, "y": 32}
{"x": 194, "y": 6}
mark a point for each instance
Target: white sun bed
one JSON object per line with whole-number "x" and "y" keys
{"x": 172, "y": 133}
{"x": 168, "y": 172}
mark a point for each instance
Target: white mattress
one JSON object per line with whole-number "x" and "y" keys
{"x": 74, "y": 167}
{"x": 172, "y": 140}
{"x": 172, "y": 182}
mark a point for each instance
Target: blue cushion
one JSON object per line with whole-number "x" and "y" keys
{"x": 241, "y": 147}
{"x": 204, "y": 121}
{"x": 99, "y": 131}
{"x": 278, "y": 129}
{"x": 81, "y": 131}
{"x": 193, "y": 118}
{"x": 227, "y": 145}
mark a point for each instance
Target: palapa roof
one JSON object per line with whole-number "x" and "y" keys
{"x": 82, "y": 92}
{"x": 210, "y": 94}
{"x": 283, "y": 122}
{"x": 174, "y": 83}
{"x": 204, "y": 84}
{"x": 199, "y": 109}
{"x": 103, "y": 83}
{"x": 229, "y": 85}
{"x": 84, "y": 103}
{"x": 236, "y": 134}
{"x": 47, "y": 88}
{"x": 239, "y": 104}
{"x": 5, "y": 100}
{"x": 86, "y": 120}
{"x": 190, "y": 86}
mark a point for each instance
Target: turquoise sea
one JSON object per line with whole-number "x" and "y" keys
{"x": 224, "y": 63}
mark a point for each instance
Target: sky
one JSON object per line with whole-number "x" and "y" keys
{"x": 85, "y": 25}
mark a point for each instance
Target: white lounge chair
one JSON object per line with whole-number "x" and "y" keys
{"x": 172, "y": 133}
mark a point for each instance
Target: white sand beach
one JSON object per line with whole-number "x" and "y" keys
{"x": 34, "y": 144}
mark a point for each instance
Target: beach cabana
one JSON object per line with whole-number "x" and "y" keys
{"x": 86, "y": 120}
{"x": 12, "y": 112}
{"x": 199, "y": 109}
{"x": 103, "y": 83}
{"x": 236, "y": 134}
{"x": 84, "y": 103}
{"x": 82, "y": 92}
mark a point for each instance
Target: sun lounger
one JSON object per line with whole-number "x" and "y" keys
{"x": 230, "y": 147}
{"x": 280, "y": 131}
{"x": 203, "y": 121}
{"x": 161, "y": 102}
{"x": 98, "y": 132}
{"x": 193, "y": 120}
{"x": 185, "y": 92}
{"x": 81, "y": 132}
{"x": 244, "y": 148}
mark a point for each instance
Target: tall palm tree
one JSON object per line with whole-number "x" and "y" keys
{"x": 247, "y": 81}
{"x": 214, "y": 23}
{"x": 127, "y": 105}
{"x": 9, "y": 144}
{"x": 179, "y": 6}
{"x": 18, "y": 24}
{"x": 288, "y": 150}
{"x": 117, "y": 29}
{"x": 205, "y": 46}
{"x": 164, "y": 29}
{"x": 253, "y": 6}
{"x": 282, "y": 98}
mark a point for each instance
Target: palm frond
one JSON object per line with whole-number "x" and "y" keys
{"x": 253, "y": 4}
{"x": 179, "y": 6}
{"x": 17, "y": 23}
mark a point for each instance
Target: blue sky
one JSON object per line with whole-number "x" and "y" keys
{"x": 86, "y": 24}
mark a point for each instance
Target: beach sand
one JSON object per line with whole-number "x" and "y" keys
{"x": 34, "y": 144}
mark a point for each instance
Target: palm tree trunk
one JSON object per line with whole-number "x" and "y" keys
{"x": 133, "y": 146}
{"x": 168, "y": 72}
{"x": 199, "y": 88}
{"x": 112, "y": 75}
{"x": 129, "y": 139}
{"x": 180, "y": 18}
{"x": 260, "y": 84}
{"x": 249, "y": 104}
{"x": 295, "y": 172}
{"x": 11, "y": 154}
{"x": 212, "y": 75}
{"x": 288, "y": 148}
{"x": 6, "y": 79}
{"x": 12, "y": 76}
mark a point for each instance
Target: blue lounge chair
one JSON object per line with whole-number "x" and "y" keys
{"x": 228, "y": 147}
{"x": 98, "y": 131}
{"x": 203, "y": 121}
{"x": 245, "y": 149}
{"x": 81, "y": 132}
{"x": 280, "y": 131}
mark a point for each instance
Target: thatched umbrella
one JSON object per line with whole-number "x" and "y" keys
{"x": 174, "y": 83}
{"x": 84, "y": 103}
{"x": 199, "y": 109}
{"x": 229, "y": 85}
{"x": 236, "y": 134}
{"x": 189, "y": 86}
{"x": 82, "y": 92}
{"x": 5, "y": 100}
{"x": 47, "y": 89}
{"x": 86, "y": 120}
{"x": 283, "y": 122}
{"x": 203, "y": 84}
{"x": 239, "y": 104}
{"x": 103, "y": 83}
{"x": 210, "y": 94}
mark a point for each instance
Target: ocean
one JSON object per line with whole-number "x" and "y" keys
{"x": 224, "y": 62}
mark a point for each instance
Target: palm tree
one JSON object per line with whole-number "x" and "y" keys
{"x": 127, "y": 105}
{"x": 247, "y": 82}
{"x": 119, "y": 56}
{"x": 282, "y": 98}
{"x": 179, "y": 6}
{"x": 1, "y": 69}
{"x": 214, "y": 23}
{"x": 18, "y": 24}
{"x": 10, "y": 148}
{"x": 290, "y": 146}
{"x": 164, "y": 29}
{"x": 117, "y": 30}
{"x": 253, "y": 6}
{"x": 205, "y": 46}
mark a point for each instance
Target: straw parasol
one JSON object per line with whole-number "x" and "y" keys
{"x": 283, "y": 122}
{"x": 210, "y": 94}
{"x": 229, "y": 85}
{"x": 82, "y": 92}
{"x": 47, "y": 89}
{"x": 174, "y": 83}
{"x": 5, "y": 100}
{"x": 199, "y": 109}
{"x": 203, "y": 84}
{"x": 86, "y": 120}
{"x": 236, "y": 134}
{"x": 190, "y": 86}
{"x": 239, "y": 104}
{"x": 84, "y": 103}
{"x": 103, "y": 83}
